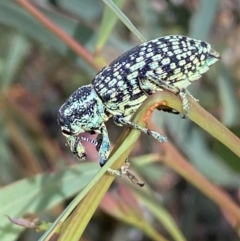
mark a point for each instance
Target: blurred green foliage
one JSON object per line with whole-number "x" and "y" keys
{"x": 38, "y": 72}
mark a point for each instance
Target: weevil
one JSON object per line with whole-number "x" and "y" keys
{"x": 167, "y": 63}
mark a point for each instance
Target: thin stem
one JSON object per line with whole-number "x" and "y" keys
{"x": 68, "y": 40}
{"x": 180, "y": 165}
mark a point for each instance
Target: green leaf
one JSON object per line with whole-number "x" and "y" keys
{"x": 88, "y": 10}
{"x": 13, "y": 15}
{"x": 228, "y": 157}
{"x": 17, "y": 50}
{"x": 40, "y": 192}
{"x": 124, "y": 19}
{"x": 108, "y": 22}
{"x": 202, "y": 20}
{"x": 161, "y": 214}
{"x": 193, "y": 142}
{"x": 228, "y": 98}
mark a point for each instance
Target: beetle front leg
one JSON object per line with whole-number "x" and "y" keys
{"x": 76, "y": 147}
{"x": 103, "y": 151}
{"x": 119, "y": 120}
{"x": 104, "y": 147}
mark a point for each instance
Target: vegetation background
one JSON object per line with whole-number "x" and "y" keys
{"x": 38, "y": 71}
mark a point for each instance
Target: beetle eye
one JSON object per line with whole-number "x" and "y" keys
{"x": 66, "y": 132}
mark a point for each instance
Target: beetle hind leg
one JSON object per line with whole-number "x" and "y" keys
{"x": 161, "y": 85}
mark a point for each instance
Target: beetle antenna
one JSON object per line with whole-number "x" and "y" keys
{"x": 93, "y": 142}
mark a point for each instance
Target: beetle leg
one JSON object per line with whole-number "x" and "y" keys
{"x": 125, "y": 171}
{"x": 189, "y": 94}
{"x": 185, "y": 104}
{"x": 76, "y": 147}
{"x": 104, "y": 146}
{"x": 121, "y": 120}
{"x": 158, "y": 83}
{"x": 99, "y": 141}
{"x": 130, "y": 175}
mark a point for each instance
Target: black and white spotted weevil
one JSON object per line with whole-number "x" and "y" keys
{"x": 168, "y": 63}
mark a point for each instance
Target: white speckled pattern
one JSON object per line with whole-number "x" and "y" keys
{"x": 117, "y": 91}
